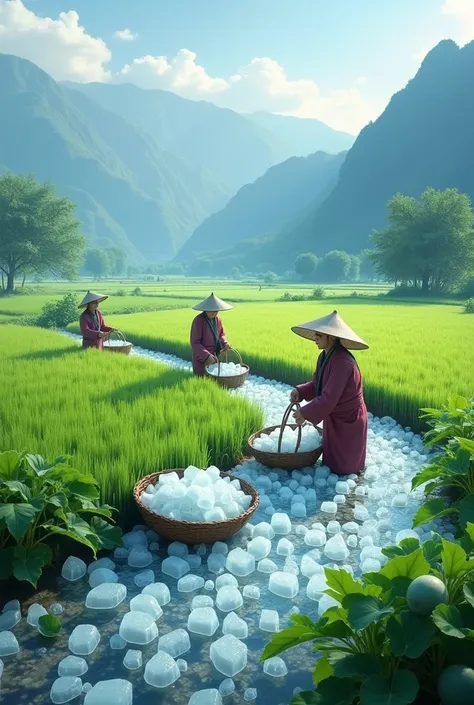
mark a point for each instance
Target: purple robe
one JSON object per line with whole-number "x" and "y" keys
{"x": 342, "y": 408}
{"x": 203, "y": 343}
{"x": 90, "y": 331}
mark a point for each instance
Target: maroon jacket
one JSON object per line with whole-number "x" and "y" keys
{"x": 89, "y": 330}
{"x": 342, "y": 408}
{"x": 202, "y": 341}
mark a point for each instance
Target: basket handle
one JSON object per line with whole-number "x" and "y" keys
{"x": 119, "y": 335}
{"x": 226, "y": 353}
{"x": 284, "y": 422}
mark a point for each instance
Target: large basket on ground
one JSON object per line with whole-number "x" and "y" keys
{"x": 193, "y": 532}
{"x": 285, "y": 461}
{"x": 120, "y": 346}
{"x": 225, "y": 381}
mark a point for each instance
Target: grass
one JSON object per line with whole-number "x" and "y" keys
{"x": 419, "y": 354}
{"x": 120, "y": 418}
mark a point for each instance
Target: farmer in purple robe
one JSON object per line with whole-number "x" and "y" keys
{"x": 335, "y": 394}
{"x": 207, "y": 334}
{"x": 91, "y": 321}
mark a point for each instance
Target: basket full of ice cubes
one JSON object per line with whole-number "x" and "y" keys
{"x": 195, "y": 506}
{"x": 116, "y": 342}
{"x": 288, "y": 446}
{"x": 228, "y": 374}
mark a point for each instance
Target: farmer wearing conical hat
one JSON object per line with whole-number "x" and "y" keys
{"x": 207, "y": 333}
{"x": 335, "y": 394}
{"x": 91, "y": 320}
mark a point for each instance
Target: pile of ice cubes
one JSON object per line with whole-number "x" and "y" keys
{"x": 226, "y": 369}
{"x": 310, "y": 440}
{"x": 200, "y": 495}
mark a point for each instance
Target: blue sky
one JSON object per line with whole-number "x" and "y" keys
{"x": 337, "y": 60}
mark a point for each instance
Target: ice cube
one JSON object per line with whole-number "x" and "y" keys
{"x": 267, "y": 566}
{"x": 138, "y": 628}
{"x": 316, "y": 587}
{"x": 240, "y": 563}
{"x": 144, "y": 578}
{"x": 175, "y": 567}
{"x": 350, "y": 527}
{"x": 210, "y": 696}
{"x": 309, "y": 567}
{"x": 360, "y": 512}
{"x": 229, "y": 598}
{"x": 101, "y": 563}
{"x": 190, "y": 582}
{"x": 281, "y": 523}
{"x": 9, "y": 619}
{"x": 86, "y": 687}
{"x": 178, "y": 549}
{"x": 352, "y": 541}
{"x": 252, "y": 592}
{"x": 333, "y": 527}
{"x": 139, "y": 557}
{"x": 106, "y": 596}
{"x": 226, "y": 579}
{"x": 263, "y": 529}
{"x": 73, "y": 569}
{"x": 192, "y": 560}
{"x": 220, "y": 547}
{"x": 101, "y": 576}
{"x": 336, "y": 549}
{"x": 233, "y": 624}
{"x": 8, "y": 644}
{"x": 160, "y": 592}
{"x": 175, "y": 643}
{"x": 203, "y": 620}
{"x": 227, "y": 687}
{"x": 285, "y": 547}
{"x": 269, "y": 621}
{"x": 121, "y": 553}
{"x": 406, "y": 534}
{"x": 161, "y": 670}
{"x": 275, "y": 667}
{"x": 209, "y": 585}
{"x": 283, "y": 584}
{"x": 84, "y": 639}
{"x": 72, "y": 666}
{"x": 182, "y": 665}
{"x": 216, "y": 562}
{"x": 250, "y": 694}
{"x": 342, "y": 487}
{"x": 132, "y": 659}
{"x": 229, "y": 655}
{"x": 12, "y": 605}
{"x": 259, "y": 547}
{"x": 370, "y": 565}
{"x": 315, "y": 538}
{"x": 329, "y": 508}
{"x": 117, "y": 643}
{"x": 325, "y": 603}
{"x": 147, "y": 604}
{"x": 400, "y": 501}
{"x": 202, "y": 601}
{"x": 113, "y": 692}
{"x": 56, "y": 608}
{"x": 65, "y": 689}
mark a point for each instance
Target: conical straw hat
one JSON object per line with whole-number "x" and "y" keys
{"x": 90, "y": 297}
{"x": 331, "y": 325}
{"x": 212, "y": 303}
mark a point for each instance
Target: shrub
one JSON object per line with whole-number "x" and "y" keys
{"x": 318, "y": 293}
{"x": 59, "y": 314}
{"x": 137, "y": 292}
{"x": 469, "y": 306}
{"x": 381, "y": 643}
{"x": 121, "y": 292}
{"x": 40, "y": 501}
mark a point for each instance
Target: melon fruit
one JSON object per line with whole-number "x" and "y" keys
{"x": 456, "y": 685}
{"x": 425, "y": 593}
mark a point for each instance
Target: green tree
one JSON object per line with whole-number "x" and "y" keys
{"x": 428, "y": 243}
{"x": 235, "y": 273}
{"x": 97, "y": 263}
{"x": 117, "y": 261}
{"x": 38, "y": 231}
{"x": 305, "y": 265}
{"x": 354, "y": 268}
{"x": 367, "y": 271}
{"x": 335, "y": 266}
{"x": 270, "y": 277}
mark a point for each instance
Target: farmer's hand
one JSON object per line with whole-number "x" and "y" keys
{"x": 226, "y": 346}
{"x": 299, "y": 418}
{"x": 294, "y": 396}
{"x": 101, "y": 334}
{"x": 211, "y": 360}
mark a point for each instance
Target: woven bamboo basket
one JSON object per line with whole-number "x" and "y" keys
{"x": 193, "y": 532}
{"x": 285, "y": 461}
{"x": 226, "y": 381}
{"x": 124, "y": 348}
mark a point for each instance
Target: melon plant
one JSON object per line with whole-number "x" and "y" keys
{"x": 425, "y": 593}
{"x": 456, "y": 685}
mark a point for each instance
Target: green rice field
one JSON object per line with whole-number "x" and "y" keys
{"x": 119, "y": 417}
{"x": 419, "y": 354}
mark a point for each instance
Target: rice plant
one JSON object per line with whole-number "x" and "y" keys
{"x": 120, "y": 418}
{"x": 419, "y": 354}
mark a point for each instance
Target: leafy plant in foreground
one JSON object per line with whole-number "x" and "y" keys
{"x": 394, "y": 632}
{"x": 38, "y": 502}
{"x": 454, "y": 420}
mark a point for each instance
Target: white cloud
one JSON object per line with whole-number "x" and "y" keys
{"x": 463, "y": 11}
{"x": 125, "y": 35}
{"x": 61, "y": 46}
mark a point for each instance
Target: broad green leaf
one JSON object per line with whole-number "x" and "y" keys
{"x": 6, "y": 563}
{"x": 466, "y": 444}
{"x": 458, "y": 403}
{"x": 430, "y": 487}
{"x": 322, "y": 670}
{"x": 39, "y": 465}
{"x": 378, "y": 580}
{"x": 49, "y": 625}
{"x": 108, "y": 535}
{"x": 28, "y": 564}
{"x": 409, "y": 634}
{"x": 458, "y": 464}
{"x": 10, "y": 462}
{"x": 454, "y": 559}
{"x": 448, "y": 619}
{"x": 468, "y": 590}
{"x": 18, "y": 518}
{"x": 89, "y": 540}
{"x": 404, "y": 548}
{"x": 336, "y": 691}
{"x": 286, "y": 639}
{"x": 466, "y": 510}
{"x": 432, "y": 472}
{"x": 458, "y": 651}
{"x": 18, "y": 487}
{"x": 432, "y": 551}
{"x": 470, "y": 530}
{"x": 306, "y": 697}
{"x": 341, "y": 583}
{"x": 333, "y": 614}
{"x": 401, "y": 691}
{"x": 57, "y": 500}
{"x": 411, "y": 566}
{"x": 363, "y": 610}
{"x": 357, "y": 666}
{"x": 303, "y": 621}
{"x": 87, "y": 490}
{"x": 433, "y": 509}
{"x": 336, "y": 630}
{"x": 399, "y": 587}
